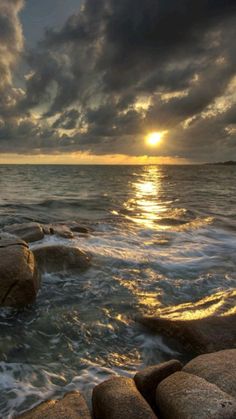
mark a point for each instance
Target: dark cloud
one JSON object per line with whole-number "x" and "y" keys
{"x": 11, "y": 39}
{"x": 120, "y": 68}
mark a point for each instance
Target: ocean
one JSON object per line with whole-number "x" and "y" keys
{"x": 161, "y": 238}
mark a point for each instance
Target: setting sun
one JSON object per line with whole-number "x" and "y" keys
{"x": 154, "y": 138}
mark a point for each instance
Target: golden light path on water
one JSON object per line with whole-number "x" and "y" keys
{"x": 145, "y": 206}
{"x": 145, "y": 209}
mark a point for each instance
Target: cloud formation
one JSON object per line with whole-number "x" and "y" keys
{"x": 119, "y": 69}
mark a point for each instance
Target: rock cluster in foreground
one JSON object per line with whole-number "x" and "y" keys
{"x": 21, "y": 267}
{"x": 205, "y": 388}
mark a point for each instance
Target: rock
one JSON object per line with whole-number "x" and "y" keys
{"x": 7, "y": 240}
{"x": 118, "y": 398}
{"x": 62, "y": 231}
{"x": 79, "y": 229}
{"x": 186, "y": 396}
{"x": 148, "y": 379}
{"x": 29, "y": 232}
{"x": 218, "y": 368}
{"x": 200, "y": 336}
{"x": 19, "y": 278}
{"x": 59, "y": 258}
{"x": 72, "y": 406}
{"x": 47, "y": 229}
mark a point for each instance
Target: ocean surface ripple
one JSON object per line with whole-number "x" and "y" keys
{"x": 162, "y": 237}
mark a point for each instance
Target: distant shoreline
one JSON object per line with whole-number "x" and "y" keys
{"x": 224, "y": 163}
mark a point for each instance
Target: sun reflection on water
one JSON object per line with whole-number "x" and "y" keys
{"x": 220, "y": 304}
{"x": 145, "y": 208}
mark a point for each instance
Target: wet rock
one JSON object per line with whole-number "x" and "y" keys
{"x": 59, "y": 258}
{"x": 62, "y": 231}
{"x": 19, "y": 278}
{"x": 47, "y": 229}
{"x": 218, "y": 368}
{"x": 148, "y": 379}
{"x": 186, "y": 396}
{"x": 205, "y": 335}
{"x": 29, "y": 232}
{"x": 72, "y": 406}
{"x": 79, "y": 229}
{"x": 118, "y": 398}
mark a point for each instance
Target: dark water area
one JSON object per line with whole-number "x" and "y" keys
{"x": 162, "y": 238}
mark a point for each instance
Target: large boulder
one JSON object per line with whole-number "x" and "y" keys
{"x": 148, "y": 379}
{"x": 218, "y": 368}
{"x": 186, "y": 396}
{"x": 72, "y": 406}
{"x": 118, "y": 398}
{"x": 59, "y": 258}
{"x": 19, "y": 278}
{"x": 29, "y": 232}
{"x": 199, "y": 336}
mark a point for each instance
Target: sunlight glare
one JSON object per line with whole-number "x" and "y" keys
{"x": 154, "y": 138}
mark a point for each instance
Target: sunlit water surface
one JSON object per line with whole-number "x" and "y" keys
{"x": 161, "y": 236}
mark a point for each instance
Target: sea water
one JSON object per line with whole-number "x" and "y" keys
{"x": 161, "y": 238}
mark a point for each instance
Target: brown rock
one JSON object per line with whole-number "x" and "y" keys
{"x": 62, "y": 230}
{"x": 118, "y": 398}
{"x": 72, "y": 406}
{"x": 47, "y": 229}
{"x": 19, "y": 279}
{"x": 148, "y": 379}
{"x": 218, "y": 368}
{"x": 186, "y": 396}
{"x": 29, "y": 232}
{"x": 57, "y": 258}
{"x": 200, "y": 336}
{"x": 79, "y": 229}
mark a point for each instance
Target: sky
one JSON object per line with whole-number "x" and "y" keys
{"x": 86, "y": 81}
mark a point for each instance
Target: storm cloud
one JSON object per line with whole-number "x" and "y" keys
{"x": 117, "y": 70}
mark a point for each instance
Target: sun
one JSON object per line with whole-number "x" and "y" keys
{"x": 154, "y": 138}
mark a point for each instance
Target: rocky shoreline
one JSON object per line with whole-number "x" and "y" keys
{"x": 203, "y": 388}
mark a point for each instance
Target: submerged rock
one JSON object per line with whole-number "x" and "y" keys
{"x": 59, "y": 258}
{"x": 72, "y": 406}
{"x": 65, "y": 230}
{"x": 19, "y": 278}
{"x": 62, "y": 230}
{"x": 77, "y": 228}
{"x": 148, "y": 379}
{"x": 205, "y": 326}
{"x": 29, "y": 232}
{"x": 200, "y": 336}
{"x": 218, "y": 368}
{"x": 118, "y": 398}
{"x": 185, "y": 396}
